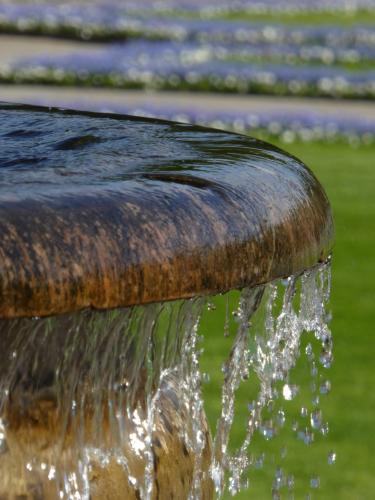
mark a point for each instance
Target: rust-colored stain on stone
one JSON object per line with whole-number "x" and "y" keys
{"x": 148, "y": 211}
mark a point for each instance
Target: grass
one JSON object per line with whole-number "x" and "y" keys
{"x": 360, "y": 65}
{"x": 348, "y": 176}
{"x": 205, "y": 83}
{"x": 345, "y": 19}
{"x": 314, "y": 17}
{"x": 339, "y": 18}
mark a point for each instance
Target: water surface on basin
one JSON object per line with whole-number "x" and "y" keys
{"x": 43, "y": 151}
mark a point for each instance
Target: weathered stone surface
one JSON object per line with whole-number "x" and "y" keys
{"x": 105, "y": 211}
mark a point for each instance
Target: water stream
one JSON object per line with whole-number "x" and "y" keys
{"x": 94, "y": 391}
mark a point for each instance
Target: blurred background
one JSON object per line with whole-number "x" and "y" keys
{"x": 298, "y": 73}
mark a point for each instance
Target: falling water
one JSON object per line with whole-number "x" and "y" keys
{"x": 94, "y": 391}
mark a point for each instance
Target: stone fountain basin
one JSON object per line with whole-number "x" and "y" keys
{"x": 104, "y": 210}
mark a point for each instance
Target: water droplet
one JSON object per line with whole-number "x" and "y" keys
{"x": 259, "y": 462}
{"x": 286, "y": 281}
{"x": 324, "y": 429}
{"x": 326, "y": 339}
{"x": 211, "y": 306}
{"x": 306, "y": 436}
{"x": 280, "y": 417}
{"x": 237, "y": 315}
{"x": 304, "y": 412}
{"x": 316, "y": 419}
{"x": 315, "y": 482}
{"x": 290, "y": 391}
{"x": 325, "y": 387}
{"x": 331, "y": 457}
{"x": 276, "y": 494}
{"x": 283, "y": 452}
{"x": 309, "y": 351}
{"x": 3, "y": 442}
{"x": 133, "y": 480}
{"x": 290, "y": 482}
{"x": 279, "y": 477}
{"x": 326, "y": 358}
{"x": 267, "y": 430}
{"x": 251, "y": 406}
{"x": 315, "y": 400}
{"x": 51, "y": 473}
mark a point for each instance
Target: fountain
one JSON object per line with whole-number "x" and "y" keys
{"x": 116, "y": 234}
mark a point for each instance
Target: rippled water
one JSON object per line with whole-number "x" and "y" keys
{"x": 84, "y": 393}
{"x": 43, "y": 151}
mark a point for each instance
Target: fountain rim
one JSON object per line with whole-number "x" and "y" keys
{"x": 27, "y": 295}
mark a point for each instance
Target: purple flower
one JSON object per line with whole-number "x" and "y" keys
{"x": 172, "y": 65}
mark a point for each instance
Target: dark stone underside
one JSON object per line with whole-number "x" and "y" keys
{"x": 105, "y": 211}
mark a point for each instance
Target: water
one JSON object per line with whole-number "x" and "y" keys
{"x": 91, "y": 395}
{"x": 55, "y": 154}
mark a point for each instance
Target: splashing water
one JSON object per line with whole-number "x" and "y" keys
{"x": 91, "y": 393}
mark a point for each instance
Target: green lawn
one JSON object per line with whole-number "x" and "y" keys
{"x": 340, "y": 18}
{"x": 348, "y": 175}
{"x": 305, "y": 17}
